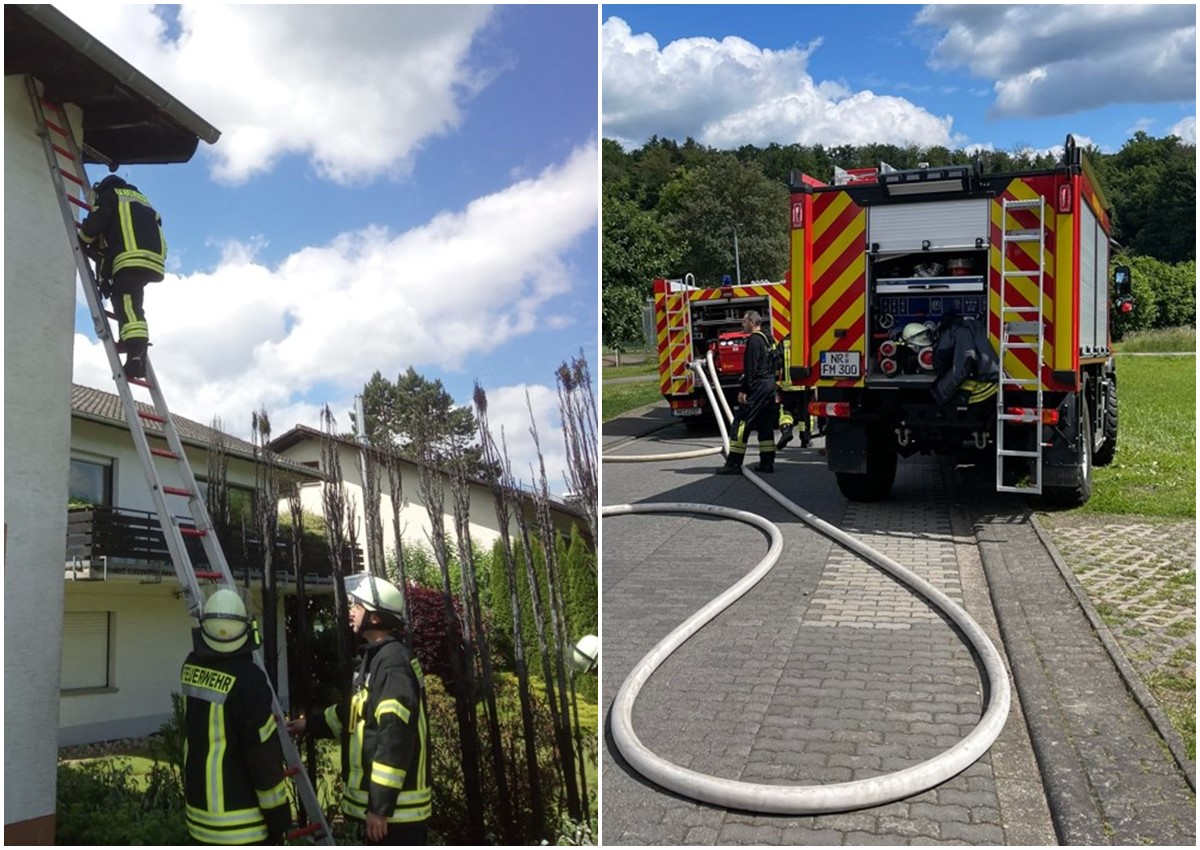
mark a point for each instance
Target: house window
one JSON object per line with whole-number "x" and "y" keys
{"x": 241, "y": 503}
{"x": 86, "y": 650}
{"x": 90, "y": 482}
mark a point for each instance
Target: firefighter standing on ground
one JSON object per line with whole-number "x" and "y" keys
{"x": 233, "y": 776}
{"x": 385, "y": 764}
{"x": 123, "y": 234}
{"x": 756, "y": 399}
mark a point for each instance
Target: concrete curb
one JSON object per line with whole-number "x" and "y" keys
{"x": 1063, "y": 776}
{"x": 637, "y": 411}
{"x": 1133, "y": 681}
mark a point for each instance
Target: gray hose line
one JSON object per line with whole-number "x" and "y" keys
{"x": 803, "y": 799}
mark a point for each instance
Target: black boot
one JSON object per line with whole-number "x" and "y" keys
{"x": 732, "y": 466}
{"x": 765, "y": 466}
{"x": 135, "y": 359}
{"x": 785, "y": 437}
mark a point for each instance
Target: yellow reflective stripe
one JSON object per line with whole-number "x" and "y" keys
{"x": 248, "y": 835}
{"x": 127, "y": 306}
{"x": 423, "y": 732}
{"x": 385, "y": 774}
{"x": 125, "y": 215}
{"x": 276, "y": 796}
{"x": 412, "y": 798}
{"x": 214, "y": 780}
{"x": 239, "y": 817}
{"x": 357, "y": 726}
{"x": 357, "y": 795}
{"x": 409, "y": 815}
{"x": 331, "y": 719}
{"x": 394, "y": 706}
{"x": 267, "y": 729}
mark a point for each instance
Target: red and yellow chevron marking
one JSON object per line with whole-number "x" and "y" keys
{"x": 1022, "y": 291}
{"x": 839, "y": 279}
{"x": 674, "y": 331}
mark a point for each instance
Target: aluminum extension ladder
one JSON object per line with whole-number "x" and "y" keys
{"x": 1027, "y": 324}
{"x": 66, "y": 166}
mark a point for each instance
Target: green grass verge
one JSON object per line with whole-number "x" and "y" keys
{"x": 1163, "y": 339}
{"x": 140, "y": 766}
{"x": 1154, "y": 472}
{"x": 650, "y": 367}
{"x": 616, "y": 399}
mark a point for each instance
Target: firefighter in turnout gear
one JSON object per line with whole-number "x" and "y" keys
{"x": 123, "y": 234}
{"x": 233, "y": 773}
{"x": 385, "y": 760}
{"x": 758, "y": 410}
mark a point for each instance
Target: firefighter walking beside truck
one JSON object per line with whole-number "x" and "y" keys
{"x": 758, "y": 410}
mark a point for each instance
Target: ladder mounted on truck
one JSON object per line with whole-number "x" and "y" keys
{"x": 65, "y": 161}
{"x": 1022, "y": 328}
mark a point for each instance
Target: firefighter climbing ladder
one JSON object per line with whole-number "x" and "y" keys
{"x": 1027, "y": 323}
{"x": 66, "y": 166}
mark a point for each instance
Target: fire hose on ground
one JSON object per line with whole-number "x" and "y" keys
{"x": 796, "y": 799}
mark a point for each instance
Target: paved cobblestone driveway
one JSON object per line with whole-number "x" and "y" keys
{"x": 826, "y": 671}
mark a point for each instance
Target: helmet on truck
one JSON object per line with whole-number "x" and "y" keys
{"x": 916, "y": 335}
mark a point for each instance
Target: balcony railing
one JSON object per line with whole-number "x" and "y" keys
{"x": 125, "y": 541}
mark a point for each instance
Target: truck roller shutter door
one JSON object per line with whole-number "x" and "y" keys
{"x": 943, "y": 224}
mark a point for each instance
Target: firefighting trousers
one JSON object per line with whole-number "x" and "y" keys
{"x": 760, "y": 413}
{"x": 128, "y": 286}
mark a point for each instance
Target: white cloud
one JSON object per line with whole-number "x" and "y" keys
{"x": 730, "y": 92}
{"x": 243, "y": 335}
{"x": 1185, "y": 130}
{"x": 356, "y": 89}
{"x": 1056, "y": 60}
{"x": 509, "y": 417}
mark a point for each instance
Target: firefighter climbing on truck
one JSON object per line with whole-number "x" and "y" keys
{"x": 942, "y": 309}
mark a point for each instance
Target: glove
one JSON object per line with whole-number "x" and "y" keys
{"x": 106, "y": 289}
{"x": 278, "y": 819}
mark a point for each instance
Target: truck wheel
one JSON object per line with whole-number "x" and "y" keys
{"x": 1103, "y": 456}
{"x": 1081, "y": 490}
{"x": 875, "y": 484}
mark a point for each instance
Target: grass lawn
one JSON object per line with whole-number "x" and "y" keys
{"x": 140, "y": 766}
{"x": 1154, "y": 472}
{"x": 650, "y": 367}
{"x": 616, "y": 399}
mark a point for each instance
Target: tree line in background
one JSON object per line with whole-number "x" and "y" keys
{"x": 670, "y": 208}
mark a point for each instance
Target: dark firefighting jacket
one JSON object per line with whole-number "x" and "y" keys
{"x": 233, "y": 768}
{"x": 123, "y": 231}
{"x": 963, "y": 357}
{"x": 385, "y": 762}
{"x": 758, "y": 367}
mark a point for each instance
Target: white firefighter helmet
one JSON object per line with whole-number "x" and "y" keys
{"x": 375, "y": 594}
{"x": 916, "y": 335}
{"x": 586, "y": 654}
{"x": 224, "y": 624}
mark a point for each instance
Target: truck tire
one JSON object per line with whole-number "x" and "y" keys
{"x": 1103, "y": 456}
{"x": 1081, "y": 490}
{"x": 875, "y": 484}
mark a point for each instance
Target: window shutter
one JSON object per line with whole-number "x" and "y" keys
{"x": 85, "y": 650}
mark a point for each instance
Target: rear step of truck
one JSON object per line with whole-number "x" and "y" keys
{"x": 1021, "y": 329}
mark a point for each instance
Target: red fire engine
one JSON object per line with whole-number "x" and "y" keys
{"x": 891, "y": 269}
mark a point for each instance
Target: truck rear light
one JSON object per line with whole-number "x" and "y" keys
{"x": 832, "y": 410}
{"x": 925, "y": 358}
{"x": 1064, "y": 199}
{"x": 684, "y": 403}
{"x": 888, "y": 348}
{"x": 888, "y": 365}
{"x": 1049, "y": 415}
{"x": 797, "y": 215}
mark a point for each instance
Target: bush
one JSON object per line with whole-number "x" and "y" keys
{"x": 450, "y": 804}
{"x": 102, "y": 802}
{"x": 1164, "y": 295}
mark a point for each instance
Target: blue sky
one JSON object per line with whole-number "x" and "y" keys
{"x": 420, "y": 190}
{"x": 1000, "y": 77}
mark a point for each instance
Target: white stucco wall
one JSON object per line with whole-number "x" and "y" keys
{"x": 39, "y": 316}
{"x": 151, "y": 631}
{"x": 150, "y": 635}
{"x": 96, "y": 441}
{"x": 414, "y": 518}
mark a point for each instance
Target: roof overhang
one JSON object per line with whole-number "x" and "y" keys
{"x": 128, "y": 119}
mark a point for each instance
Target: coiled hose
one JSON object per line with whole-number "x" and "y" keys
{"x": 799, "y": 799}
